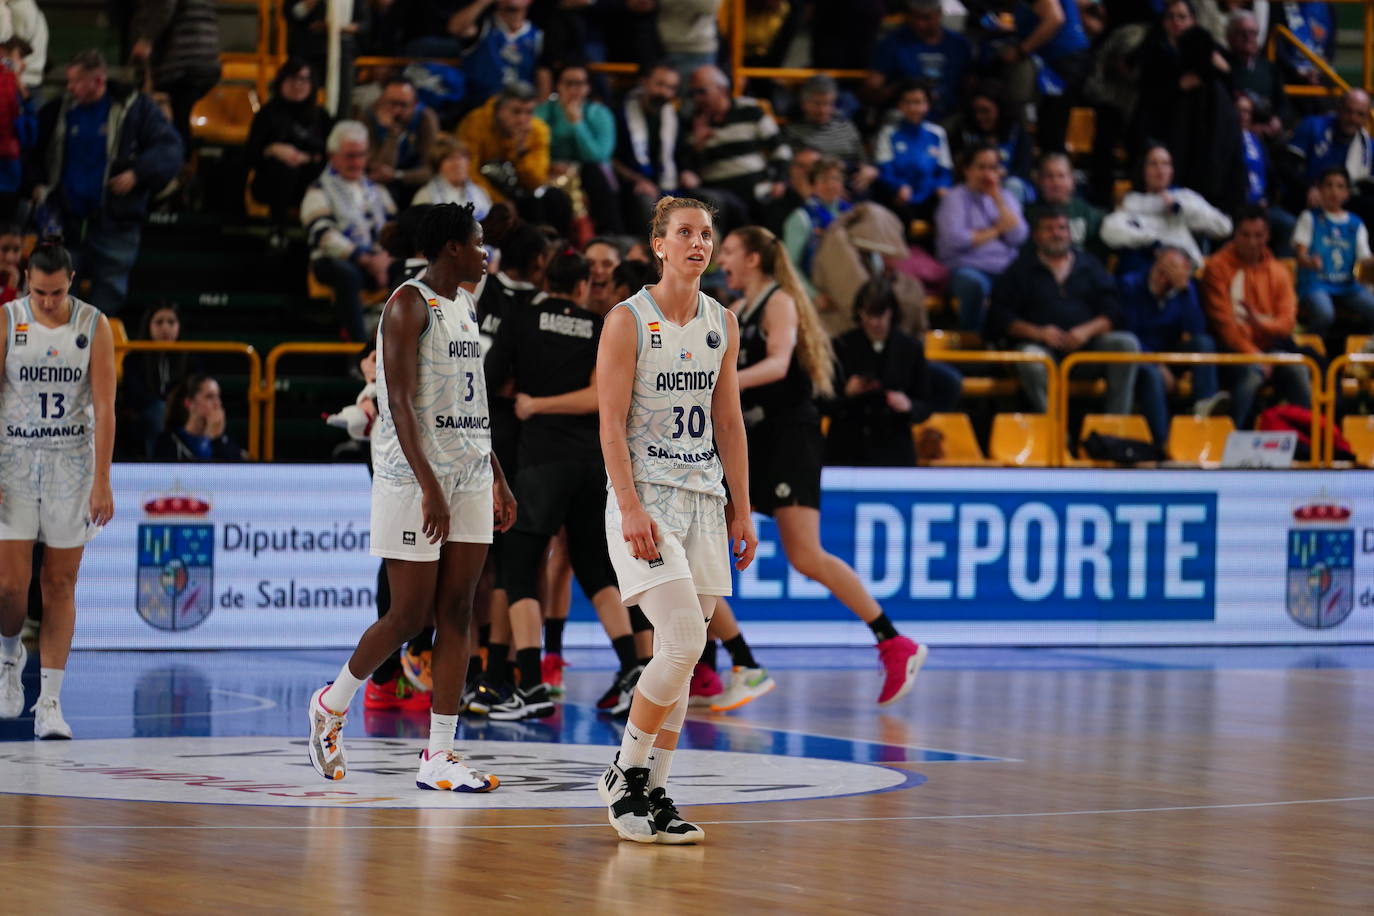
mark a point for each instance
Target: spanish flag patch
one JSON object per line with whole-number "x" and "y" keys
{"x": 653, "y": 327}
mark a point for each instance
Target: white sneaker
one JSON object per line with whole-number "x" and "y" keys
{"x": 47, "y": 719}
{"x": 625, "y": 792}
{"x": 746, "y": 685}
{"x": 326, "y": 738}
{"x": 12, "y": 684}
{"x": 449, "y": 773}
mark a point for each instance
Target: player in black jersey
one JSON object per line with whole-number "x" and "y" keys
{"x": 549, "y": 351}
{"x": 785, "y": 364}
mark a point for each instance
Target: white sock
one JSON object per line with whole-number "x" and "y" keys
{"x": 50, "y": 681}
{"x": 11, "y": 645}
{"x": 441, "y": 730}
{"x": 635, "y": 747}
{"x": 660, "y": 763}
{"x": 340, "y": 694}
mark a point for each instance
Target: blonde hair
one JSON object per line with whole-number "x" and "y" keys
{"x": 663, "y": 212}
{"x": 813, "y": 345}
{"x": 446, "y": 145}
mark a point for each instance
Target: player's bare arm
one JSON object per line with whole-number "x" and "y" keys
{"x": 615, "y": 375}
{"x": 728, "y": 422}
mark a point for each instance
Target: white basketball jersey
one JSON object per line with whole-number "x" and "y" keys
{"x": 669, "y": 424}
{"x": 450, "y": 397}
{"x": 46, "y": 399}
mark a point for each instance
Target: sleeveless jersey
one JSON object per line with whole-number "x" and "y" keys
{"x": 46, "y": 400}
{"x": 669, "y": 424}
{"x": 450, "y": 397}
{"x": 789, "y": 397}
{"x": 1333, "y": 243}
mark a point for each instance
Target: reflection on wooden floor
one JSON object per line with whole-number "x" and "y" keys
{"x": 1085, "y": 781}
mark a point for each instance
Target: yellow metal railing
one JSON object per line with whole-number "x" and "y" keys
{"x": 268, "y": 391}
{"x": 1006, "y": 358}
{"x": 1332, "y": 395}
{"x": 204, "y": 346}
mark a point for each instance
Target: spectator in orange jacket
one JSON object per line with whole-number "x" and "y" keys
{"x": 1252, "y": 305}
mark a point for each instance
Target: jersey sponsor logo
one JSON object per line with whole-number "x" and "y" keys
{"x": 654, "y": 451}
{"x": 656, "y": 562}
{"x": 408, "y": 538}
{"x": 436, "y": 308}
{"x": 685, "y": 381}
{"x": 656, "y": 341}
{"x": 52, "y": 351}
{"x": 447, "y": 422}
{"x": 464, "y": 349}
{"x": 81, "y": 341}
{"x": 176, "y": 564}
{"x": 21, "y": 334}
{"x": 566, "y": 325}
{"x": 684, "y": 353}
{"x": 45, "y": 432}
{"x": 50, "y": 373}
{"x": 712, "y": 340}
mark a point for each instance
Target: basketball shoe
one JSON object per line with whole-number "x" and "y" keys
{"x": 611, "y": 697}
{"x": 47, "y": 719}
{"x": 326, "y": 738}
{"x": 12, "y": 684}
{"x": 746, "y": 685}
{"x": 398, "y": 693}
{"x": 416, "y": 666}
{"x": 705, "y": 688}
{"x": 627, "y": 802}
{"x": 669, "y": 827}
{"x": 485, "y": 696}
{"x": 627, "y": 691}
{"x": 524, "y": 704}
{"x": 901, "y": 658}
{"x": 449, "y": 773}
{"x": 551, "y": 670}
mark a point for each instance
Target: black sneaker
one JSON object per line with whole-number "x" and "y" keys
{"x": 627, "y": 804}
{"x": 611, "y": 698}
{"x": 485, "y": 696}
{"x": 627, "y": 691}
{"x": 669, "y": 827}
{"x": 524, "y": 704}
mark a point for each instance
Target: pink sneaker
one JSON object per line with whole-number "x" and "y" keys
{"x": 901, "y": 658}
{"x": 705, "y": 685}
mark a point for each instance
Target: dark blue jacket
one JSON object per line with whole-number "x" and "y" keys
{"x": 1160, "y": 326}
{"x": 143, "y": 141}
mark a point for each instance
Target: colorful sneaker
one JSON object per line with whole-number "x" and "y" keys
{"x": 12, "y": 684}
{"x": 48, "y": 721}
{"x": 901, "y": 659}
{"x": 705, "y": 686}
{"x": 627, "y": 691}
{"x": 417, "y": 670}
{"x": 326, "y": 738}
{"x": 669, "y": 827}
{"x": 397, "y": 693}
{"x": 611, "y": 697}
{"x": 448, "y": 773}
{"x": 551, "y": 669}
{"x": 523, "y": 704}
{"x": 486, "y": 696}
{"x": 746, "y": 685}
{"x": 627, "y": 802}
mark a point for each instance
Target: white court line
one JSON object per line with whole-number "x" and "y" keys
{"x": 602, "y": 824}
{"x": 262, "y": 703}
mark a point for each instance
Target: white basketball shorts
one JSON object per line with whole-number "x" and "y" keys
{"x": 47, "y": 496}
{"x": 693, "y": 542}
{"x": 398, "y": 518}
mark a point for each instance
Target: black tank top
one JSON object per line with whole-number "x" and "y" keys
{"x": 790, "y": 397}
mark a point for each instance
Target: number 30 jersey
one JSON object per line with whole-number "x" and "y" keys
{"x": 450, "y": 397}
{"x": 46, "y": 398}
{"x": 669, "y": 425}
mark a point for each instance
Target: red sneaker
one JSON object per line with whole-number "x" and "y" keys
{"x": 397, "y": 693}
{"x": 706, "y": 684}
{"x": 551, "y": 668}
{"x": 901, "y": 659}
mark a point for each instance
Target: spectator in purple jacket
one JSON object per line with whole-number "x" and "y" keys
{"x": 979, "y": 230}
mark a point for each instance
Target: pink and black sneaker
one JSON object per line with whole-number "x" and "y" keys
{"x": 901, "y": 659}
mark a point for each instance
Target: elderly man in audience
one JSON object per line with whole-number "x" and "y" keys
{"x": 823, "y": 128}
{"x": 343, "y": 213}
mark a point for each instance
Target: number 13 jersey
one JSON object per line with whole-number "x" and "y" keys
{"x": 46, "y": 398}
{"x": 450, "y": 398}
{"x": 669, "y": 425}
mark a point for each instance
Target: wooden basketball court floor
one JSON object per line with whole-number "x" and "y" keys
{"x": 1050, "y": 780}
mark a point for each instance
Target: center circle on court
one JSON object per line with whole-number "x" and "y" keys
{"x": 381, "y": 774}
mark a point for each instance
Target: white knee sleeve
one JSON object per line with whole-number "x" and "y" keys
{"x": 678, "y": 714}
{"x": 679, "y": 634}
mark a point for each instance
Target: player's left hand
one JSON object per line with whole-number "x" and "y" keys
{"x": 743, "y": 540}
{"x": 102, "y": 503}
{"x": 502, "y": 505}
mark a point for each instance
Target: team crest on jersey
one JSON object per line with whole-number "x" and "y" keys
{"x": 81, "y": 341}
{"x": 712, "y": 340}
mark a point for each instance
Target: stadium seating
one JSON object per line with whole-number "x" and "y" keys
{"x": 960, "y": 444}
{"x": 1359, "y": 429}
{"x": 1125, "y": 426}
{"x": 1198, "y": 441}
{"x": 1023, "y": 440}
{"x": 224, "y": 115}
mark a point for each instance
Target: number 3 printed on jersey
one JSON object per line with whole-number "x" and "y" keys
{"x": 470, "y": 393}
{"x": 695, "y": 424}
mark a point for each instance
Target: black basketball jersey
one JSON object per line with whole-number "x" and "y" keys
{"x": 790, "y": 397}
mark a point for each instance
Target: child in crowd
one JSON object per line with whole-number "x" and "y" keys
{"x": 1331, "y": 244}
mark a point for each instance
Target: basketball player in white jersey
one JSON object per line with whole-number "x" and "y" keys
{"x": 672, "y": 434}
{"x": 437, "y": 493}
{"x": 56, "y": 439}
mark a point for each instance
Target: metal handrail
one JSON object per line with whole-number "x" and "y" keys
{"x": 208, "y": 346}
{"x": 1333, "y": 389}
{"x": 268, "y": 392}
{"x": 1074, "y": 360}
{"x": 1006, "y": 357}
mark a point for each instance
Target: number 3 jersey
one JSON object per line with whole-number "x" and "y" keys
{"x": 46, "y": 399}
{"x": 450, "y": 398}
{"x": 669, "y": 425}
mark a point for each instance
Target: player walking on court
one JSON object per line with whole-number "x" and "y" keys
{"x": 56, "y": 439}
{"x": 670, "y": 430}
{"x": 785, "y": 362}
{"x": 436, "y": 491}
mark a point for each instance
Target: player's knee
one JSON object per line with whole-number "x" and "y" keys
{"x": 12, "y": 598}
{"x": 808, "y": 562}
{"x": 681, "y": 648}
{"x": 57, "y": 581}
{"x": 455, "y": 614}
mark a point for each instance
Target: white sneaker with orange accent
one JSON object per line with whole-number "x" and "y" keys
{"x": 449, "y": 773}
{"x": 326, "y": 738}
{"x": 746, "y": 685}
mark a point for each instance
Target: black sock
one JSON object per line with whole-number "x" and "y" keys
{"x": 708, "y": 654}
{"x": 498, "y": 663}
{"x": 641, "y": 662}
{"x": 624, "y": 647}
{"x": 484, "y": 635}
{"x": 527, "y": 661}
{"x": 474, "y": 670}
{"x": 740, "y": 656}
{"x": 553, "y": 635}
{"x": 882, "y": 628}
{"x": 388, "y": 669}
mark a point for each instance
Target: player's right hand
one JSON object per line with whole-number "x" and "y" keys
{"x": 434, "y": 508}
{"x": 641, "y": 533}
